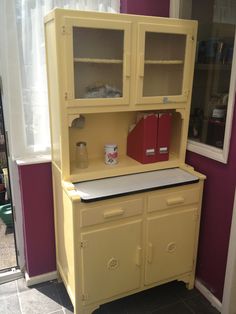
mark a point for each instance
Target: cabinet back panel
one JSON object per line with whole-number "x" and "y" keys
{"x": 101, "y": 129}
{"x": 105, "y": 128}
{"x": 160, "y": 46}
{"x": 92, "y": 75}
{"x": 162, "y": 80}
{"x": 108, "y": 43}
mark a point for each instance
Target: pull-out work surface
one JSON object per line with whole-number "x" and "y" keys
{"x": 122, "y": 185}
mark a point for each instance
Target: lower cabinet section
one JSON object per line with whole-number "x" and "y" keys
{"x": 170, "y": 244}
{"x": 127, "y": 244}
{"x": 111, "y": 259}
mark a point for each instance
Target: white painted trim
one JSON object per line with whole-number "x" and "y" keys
{"x": 221, "y": 155}
{"x": 40, "y": 278}
{"x": 10, "y": 275}
{"x": 229, "y": 304}
{"x": 210, "y": 151}
{"x": 38, "y": 159}
{"x": 174, "y": 8}
{"x": 208, "y": 295}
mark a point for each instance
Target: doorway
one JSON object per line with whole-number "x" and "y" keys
{"x": 8, "y": 251}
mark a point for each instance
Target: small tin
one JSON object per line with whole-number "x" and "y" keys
{"x": 111, "y": 154}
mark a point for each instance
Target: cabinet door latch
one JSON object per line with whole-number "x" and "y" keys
{"x": 65, "y": 30}
{"x": 84, "y": 297}
{"x": 83, "y": 244}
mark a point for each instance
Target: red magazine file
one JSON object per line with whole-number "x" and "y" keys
{"x": 163, "y": 136}
{"x": 141, "y": 141}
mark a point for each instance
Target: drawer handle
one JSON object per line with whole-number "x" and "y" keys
{"x": 113, "y": 213}
{"x": 175, "y": 201}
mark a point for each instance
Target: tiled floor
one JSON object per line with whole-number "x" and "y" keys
{"x": 51, "y": 297}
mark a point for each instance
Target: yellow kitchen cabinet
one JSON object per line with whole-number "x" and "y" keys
{"x": 113, "y": 62}
{"x": 116, "y": 247}
{"x": 103, "y": 71}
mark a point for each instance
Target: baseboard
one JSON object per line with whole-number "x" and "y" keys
{"x": 10, "y": 275}
{"x": 208, "y": 295}
{"x": 40, "y": 278}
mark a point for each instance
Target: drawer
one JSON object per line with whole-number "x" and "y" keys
{"x": 163, "y": 200}
{"x": 109, "y": 212}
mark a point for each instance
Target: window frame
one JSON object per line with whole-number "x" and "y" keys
{"x": 181, "y": 9}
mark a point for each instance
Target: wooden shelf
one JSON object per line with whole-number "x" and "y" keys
{"x": 164, "y": 62}
{"x": 93, "y": 60}
{"x": 126, "y": 165}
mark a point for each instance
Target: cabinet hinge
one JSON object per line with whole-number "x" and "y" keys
{"x": 83, "y": 244}
{"x": 65, "y": 30}
{"x": 186, "y": 92}
{"x": 66, "y": 96}
{"x": 84, "y": 296}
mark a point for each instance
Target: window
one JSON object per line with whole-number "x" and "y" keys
{"x": 213, "y": 93}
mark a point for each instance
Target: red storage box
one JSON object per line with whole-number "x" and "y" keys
{"x": 149, "y": 140}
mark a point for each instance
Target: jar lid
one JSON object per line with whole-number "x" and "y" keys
{"x": 110, "y": 145}
{"x": 81, "y": 144}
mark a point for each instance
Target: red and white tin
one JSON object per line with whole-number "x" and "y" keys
{"x": 111, "y": 154}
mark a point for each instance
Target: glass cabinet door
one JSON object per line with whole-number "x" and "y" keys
{"x": 98, "y": 62}
{"x": 162, "y": 64}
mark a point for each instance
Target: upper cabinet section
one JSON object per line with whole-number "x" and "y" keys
{"x": 163, "y": 63}
{"x": 117, "y": 62}
{"x": 97, "y": 62}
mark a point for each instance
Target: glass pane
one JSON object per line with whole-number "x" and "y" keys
{"x": 212, "y": 72}
{"x": 98, "y": 62}
{"x": 163, "y": 64}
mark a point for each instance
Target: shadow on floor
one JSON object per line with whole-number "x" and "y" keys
{"x": 52, "y": 298}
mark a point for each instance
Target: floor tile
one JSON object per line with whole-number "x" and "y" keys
{"x": 176, "y": 308}
{"x": 63, "y": 296}
{"x": 151, "y": 299}
{"x": 8, "y": 289}
{"x": 10, "y": 305}
{"x": 37, "y": 301}
{"x": 199, "y": 304}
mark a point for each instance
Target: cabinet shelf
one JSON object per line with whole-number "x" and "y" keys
{"x": 126, "y": 165}
{"x": 94, "y": 60}
{"x": 164, "y": 62}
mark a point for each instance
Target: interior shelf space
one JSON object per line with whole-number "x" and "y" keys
{"x": 126, "y": 165}
{"x": 112, "y": 128}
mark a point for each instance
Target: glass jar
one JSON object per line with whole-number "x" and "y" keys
{"x": 81, "y": 155}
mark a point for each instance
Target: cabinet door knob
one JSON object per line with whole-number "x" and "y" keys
{"x": 113, "y": 213}
{"x": 175, "y": 201}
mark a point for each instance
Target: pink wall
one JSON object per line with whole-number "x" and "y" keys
{"x": 37, "y": 203}
{"x": 147, "y": 7}
{"x": 216, "y": 215}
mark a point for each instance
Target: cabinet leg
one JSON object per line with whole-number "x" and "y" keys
{"x": 190, "y": 284}
{"x": 59, "y": 279}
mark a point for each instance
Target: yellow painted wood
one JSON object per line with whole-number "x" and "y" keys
{"x": 108, "y": 258}
{"x": 90, "y": 60}
{"x": 170, "y": 242}
{"x": 135, "y": 242}
{"x": 163, "y": 61}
